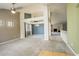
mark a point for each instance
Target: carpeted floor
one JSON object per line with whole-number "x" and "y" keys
{"x": 32, "y": 47}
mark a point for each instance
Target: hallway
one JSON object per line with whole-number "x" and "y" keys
{"x": 31, "y": 47}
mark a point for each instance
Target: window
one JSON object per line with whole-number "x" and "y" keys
{"x": 27, "y": 15}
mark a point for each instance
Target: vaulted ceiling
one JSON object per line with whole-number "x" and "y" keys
{"x": 58, "y": 10}
{"x": 9, "y": 5}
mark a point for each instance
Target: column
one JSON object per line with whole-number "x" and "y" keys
{"x": 46, "y": 30}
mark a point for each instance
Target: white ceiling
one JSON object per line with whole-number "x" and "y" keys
{"x": 58, "y": 10}
{"x": 9, "y": 5}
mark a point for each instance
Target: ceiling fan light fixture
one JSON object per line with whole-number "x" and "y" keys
{"x": 13, "y": 10}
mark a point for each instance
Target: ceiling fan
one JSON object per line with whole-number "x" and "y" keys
{"x": 13, "y": 8}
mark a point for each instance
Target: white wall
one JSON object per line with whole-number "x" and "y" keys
{"x": 64, "y": 35}
{"x": 58, "y": 13}
{"x": 43, "y": 15}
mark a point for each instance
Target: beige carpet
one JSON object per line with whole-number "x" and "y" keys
{"x": 34, "y": 46}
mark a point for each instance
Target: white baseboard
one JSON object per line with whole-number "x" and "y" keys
{"x": 64, "y": 38}
{"x": 9, "y": 41}
{"x": 71, "y": 49}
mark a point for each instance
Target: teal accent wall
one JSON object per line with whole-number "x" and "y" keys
{"x": 38, "y": 29}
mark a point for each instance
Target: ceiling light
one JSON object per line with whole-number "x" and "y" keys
{"x": 13, "y": 10}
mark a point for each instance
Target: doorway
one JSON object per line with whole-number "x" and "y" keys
{"x": 27, "y": 28}
{"x": 37, "y": 29}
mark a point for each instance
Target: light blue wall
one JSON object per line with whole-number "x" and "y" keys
{"x": 38, "y": 29}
